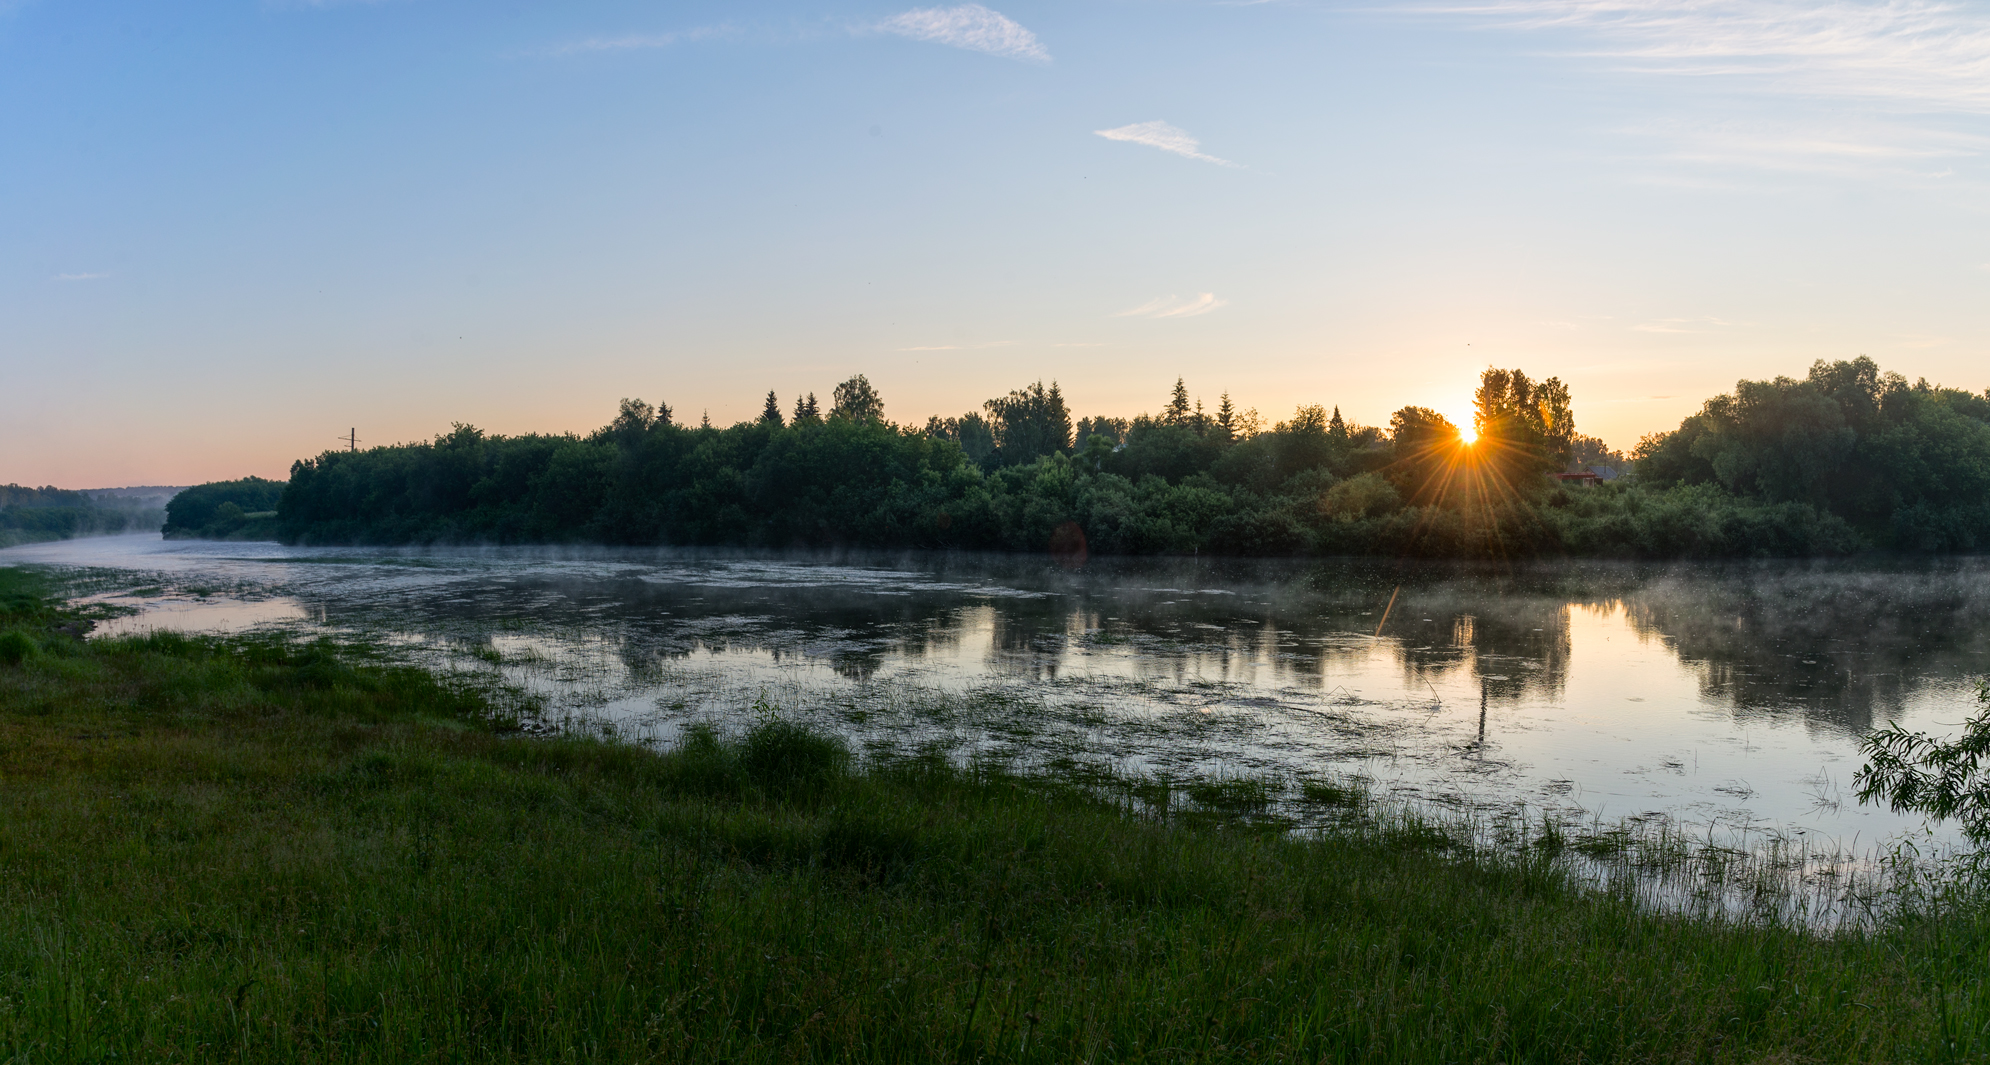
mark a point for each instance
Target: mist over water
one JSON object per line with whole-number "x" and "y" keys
{"x": 1728, "y": 695}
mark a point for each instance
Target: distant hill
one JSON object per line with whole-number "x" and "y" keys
{"x": 143, "y": 491}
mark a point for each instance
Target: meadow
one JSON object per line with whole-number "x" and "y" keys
{"x": 268, "y": 848}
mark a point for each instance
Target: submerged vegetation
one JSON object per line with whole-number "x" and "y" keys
{"x": 270, "y": 849}
{"x": 1846, "y": 460}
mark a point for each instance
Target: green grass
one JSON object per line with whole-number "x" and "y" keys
{"x": 267, "y": 850}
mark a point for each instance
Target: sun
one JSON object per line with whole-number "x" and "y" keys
{"x": 1468, "y": 434}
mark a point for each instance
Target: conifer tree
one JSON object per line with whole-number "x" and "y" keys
{"x": 1177, "y": 405}
{"x": 1226, "y": 416}
{"x": 806, "y": 410}
{"x": 772, "y": 413}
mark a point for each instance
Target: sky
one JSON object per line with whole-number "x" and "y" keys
{"x": 232, "y": 232}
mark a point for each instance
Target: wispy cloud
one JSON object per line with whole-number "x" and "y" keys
{"x": 1860, "y": 66}
{"x": 969, "y": 26}
{"x": 934, "y": 347}
{"x": 1175, "y": 307}
{"x": 1158, "y": 134}
{"x": 1913, "y": 51}
{"x": 636, "y": 41}
{"x": 78, "y": 277}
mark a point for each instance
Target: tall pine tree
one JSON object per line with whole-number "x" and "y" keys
{"x": 1178, "y": 409}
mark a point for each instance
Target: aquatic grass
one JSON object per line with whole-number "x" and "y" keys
{"x": 1092, "y": 730}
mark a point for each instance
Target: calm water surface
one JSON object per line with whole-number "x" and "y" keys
{"x": 1726, "y": 695}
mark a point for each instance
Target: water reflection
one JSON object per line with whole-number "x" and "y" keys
{"x": 1731, "y": 693}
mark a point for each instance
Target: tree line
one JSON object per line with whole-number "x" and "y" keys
{"x": 29, "y": 515}
{"x": 1843, "y": 460}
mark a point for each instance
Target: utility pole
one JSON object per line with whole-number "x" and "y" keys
{"x": 351, "y": 439}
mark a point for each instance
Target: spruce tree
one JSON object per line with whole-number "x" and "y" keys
{"x": 772, "y": 413}
{"x": 1178, "y": 405}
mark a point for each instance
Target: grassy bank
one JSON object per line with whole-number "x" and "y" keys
{"x": 270, "y": 850}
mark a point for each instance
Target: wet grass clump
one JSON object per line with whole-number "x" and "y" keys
{"x": 276, "y": 850}
{"x": 1340, "y": 794}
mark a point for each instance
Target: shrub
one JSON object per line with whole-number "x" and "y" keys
{"x": 783, "y": 755}
{"x": 15, "y": 646}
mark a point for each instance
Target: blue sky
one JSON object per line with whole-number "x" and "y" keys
{"x": 230, "y": 231}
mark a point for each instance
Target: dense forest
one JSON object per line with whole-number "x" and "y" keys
{"x": 30, "y": 515}
{"x": 1844, "y": 460}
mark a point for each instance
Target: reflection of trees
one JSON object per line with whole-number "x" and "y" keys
{"x": 859, "y": 666}
{"x": 1514, "y": 644}
{"x": 1844, "y": 644}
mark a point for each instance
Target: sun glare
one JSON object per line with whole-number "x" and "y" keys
{"x": 1468, "y": 434}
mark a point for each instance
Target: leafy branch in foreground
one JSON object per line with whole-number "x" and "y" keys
{"x": 1944, "y": 779}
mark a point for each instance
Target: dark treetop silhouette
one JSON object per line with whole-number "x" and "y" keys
{"x": 1847, "y": 459}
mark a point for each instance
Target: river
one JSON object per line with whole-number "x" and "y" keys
{"x": 1729, "y": 696}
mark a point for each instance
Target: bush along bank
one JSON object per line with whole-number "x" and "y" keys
{"x": 244, "y": 509}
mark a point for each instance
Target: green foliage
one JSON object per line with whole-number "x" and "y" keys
{"x": 1012, "y": 475}
{"x": 15, "y": 646}
{"x": 224, "y": 510}
{"x": 1588, "y": 451}
{"x": 1905, "y": 465}
{"x": 1942, "y": 778}
{"x": 1428, "y": 448}
{"x": 1109, "y": 431}
{"x": 1363, "y": 496}
{"x": 856, "y": 400}
{"x": 1029, "y": 423}
{"x": 1523, "y": 427}
{"x": 786, "y": 757}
